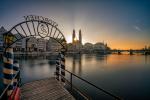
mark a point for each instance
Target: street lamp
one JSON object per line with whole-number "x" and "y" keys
{"x": 8, "y": 39}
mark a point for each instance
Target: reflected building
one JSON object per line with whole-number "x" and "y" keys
{"x": 77, "y": 64}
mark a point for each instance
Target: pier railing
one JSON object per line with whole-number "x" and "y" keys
{"x": 4, "y": 96}
{"x": 83, "y": 94}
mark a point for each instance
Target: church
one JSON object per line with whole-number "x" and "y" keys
{"x": 76, "y": 45}
{"x": 74, "y": 38}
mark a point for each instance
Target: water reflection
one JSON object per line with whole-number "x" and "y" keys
{"x": 76, "y": 61}
{"x": 117, "y": 73}
{"x": 124, "y": 75}
{"x": 147, "y": 59}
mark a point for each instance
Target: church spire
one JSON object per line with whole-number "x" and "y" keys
{"x": 80, "y": 37}
{"x": 73, "y": 36}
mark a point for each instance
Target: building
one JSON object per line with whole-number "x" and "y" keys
{"x": 31, "y": 44}
{"x": 19, "y": 45}
{"x": 76, "y": 45}
{"x": 88, "y": 47}
{"x": 80, "y": 37}
{"x": 52, "y": 45}
{"x": 70, "y": 47}
{"x": 99, "y": 47}
{"x": 73, "y": 36}
{"x": 2, "y": 31}
{"x": 41, "y": 44}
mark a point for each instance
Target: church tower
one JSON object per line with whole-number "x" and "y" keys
{"x": 80, "y": 37}
{"x": 73, "y": 36}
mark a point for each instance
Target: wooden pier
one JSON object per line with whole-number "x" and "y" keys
{"x": 45, "y": 89}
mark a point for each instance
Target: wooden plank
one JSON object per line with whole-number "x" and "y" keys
{"x": 45, "y": 89}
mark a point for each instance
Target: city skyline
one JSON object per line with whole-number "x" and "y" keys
{"x": 122, "y": 24}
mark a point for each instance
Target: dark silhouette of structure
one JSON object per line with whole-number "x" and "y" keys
{"x": 80, "y": 37}
{"x": 73, "y": 36}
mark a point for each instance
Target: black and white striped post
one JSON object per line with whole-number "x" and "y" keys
{"x": 58, "y": 67}
{"x": 62, "y": 61}
{"x": 8, "y": 69}
{"x": 15, "y": 70}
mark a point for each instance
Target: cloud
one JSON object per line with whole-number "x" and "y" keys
{"x": 137, "y": 28}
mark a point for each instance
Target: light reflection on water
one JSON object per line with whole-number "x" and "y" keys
{"x": 127, "y": 76}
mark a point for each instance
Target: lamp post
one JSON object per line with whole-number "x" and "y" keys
{"x": 8, "y": 39}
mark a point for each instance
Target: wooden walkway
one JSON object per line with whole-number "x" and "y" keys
{"x": 45, "y": 89}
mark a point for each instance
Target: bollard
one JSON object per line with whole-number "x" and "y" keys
{"x": 62, "y": 66}
{"x": 15, "y": 70}
{"x": 8, "y": 69}
{"x": 57, "y": 68}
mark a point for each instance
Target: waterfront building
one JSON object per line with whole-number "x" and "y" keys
{"x": 73, "y": 36}
{"x": 41, "y": 44}
{"x": 70, "y": 47}
{"x": 95, "y": 48}
{"x": 52, "y": 45}
{"x": 19, "y": 45}
{"x": 88, "y": 47}
{"x": 80, "y": 37}
{"x": 99, "y": 47}
{"x": 76, "y": 44}
{"x": 2, "y": 31}
{"x": 31, "y": 44}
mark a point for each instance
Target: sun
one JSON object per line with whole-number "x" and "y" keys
{"x": 68, "y": 39}
{"x": 75, "y": 39}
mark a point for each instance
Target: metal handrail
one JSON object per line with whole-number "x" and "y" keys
{"x": 5, "y": 90}
{"x": 84, "y": 95}
{"x": 108, "y": 93}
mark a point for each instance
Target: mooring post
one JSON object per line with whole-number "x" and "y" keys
{"x": 63, "y": 65}
{"x": 15, "y": 70}
{"x": 57, "y": 68}
{"x": 8, "y": 69}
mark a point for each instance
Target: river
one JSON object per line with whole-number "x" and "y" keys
{"x": 127, "y": 76}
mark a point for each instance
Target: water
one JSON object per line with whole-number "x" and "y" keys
{"x": 127, "y": 76}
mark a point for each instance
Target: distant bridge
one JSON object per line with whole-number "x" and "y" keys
{"x": 130, "y": 51}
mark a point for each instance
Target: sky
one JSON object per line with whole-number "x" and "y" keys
{"x": 122, "y": 24}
